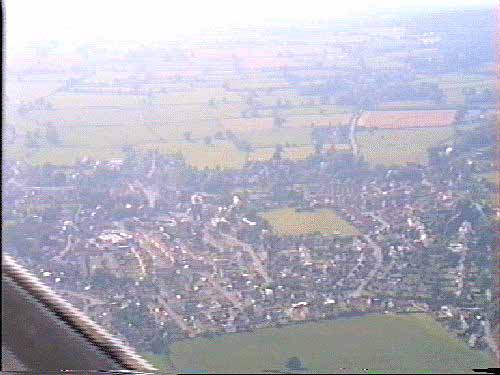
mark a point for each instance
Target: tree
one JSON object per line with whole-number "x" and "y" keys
{"x": 278, "y": 151}
{"x": 317, "y": 148}
{"x": 207, "y": 140}
{"x": 293, "y": 363}
{"x": 278, "y": 122}
{"x": 159, "y": 345}
{"x": 31, "y": 140}
{"x": 52, "y": 135}
{"x": 187, "y": 135}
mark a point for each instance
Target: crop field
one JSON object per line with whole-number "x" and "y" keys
{"x": 61, "y": 155}
{"x": 197, "y": 154}
{"x": 287, "y": 221}
{"x": 78, "y": 100}
{"x": 74, "y": 117}
{"x": 317, "y": 109}
{"x": 105, "y": 136}
{"x": 24, "y": 91}
{"x": 317, "y": 120}
{"x": 406, "y": 105}
{"x": 246, "y": 124}
{"x": 292, "y": 153}
{"x": 380, "y": 344}
{"x": 274, "y": 136}
{"x": 181, "y": 113}
{"x": 453, "y": 84}
{"x": 399, "y": 147}
{"x": 199, "y": 96}
{"x": 175, "y": 130}
{"x": 407, "y": 119}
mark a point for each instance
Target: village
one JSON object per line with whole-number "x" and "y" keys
{"x": 147, "y": 247}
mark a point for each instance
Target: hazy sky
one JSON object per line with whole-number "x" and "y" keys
{"x": 80, "y": 20}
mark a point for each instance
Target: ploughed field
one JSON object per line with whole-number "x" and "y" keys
{"x": 412, "y": 343}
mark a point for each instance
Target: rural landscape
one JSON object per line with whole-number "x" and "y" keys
{"x": 308, "y": 199}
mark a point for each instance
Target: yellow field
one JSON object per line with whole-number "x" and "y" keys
{"x": 61, "y": 156}
{"x": 200, "y": 155}
{"x": 272, "y": 137}
{"x": 399, "y": 147}
{"x": 201, "y": 95}
{"x": 70, "y": 100}
{"x": 287, "y": 221}
{"x": 292, "y": 153}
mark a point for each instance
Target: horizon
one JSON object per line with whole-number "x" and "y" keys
{"x": 56, "y": 21}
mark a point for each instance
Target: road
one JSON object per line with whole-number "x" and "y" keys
{"x": 139, "y": 260}
{"x": 232, "y": 241}
{"x": 210, "y": 279}
{"x": 377, "y": 252}
{"x": 352, "y": 130}
{"x": 191, "y": 331}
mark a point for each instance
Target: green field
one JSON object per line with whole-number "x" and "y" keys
{"x": 399, "y": 147}
{"x": 453, "y": 84}
{"x": 387, "y": 344}
{"x": 286, "y": 221}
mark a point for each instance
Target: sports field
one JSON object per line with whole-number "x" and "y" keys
{"x": 381, "y": 344}
{"x": 286, "y": 221}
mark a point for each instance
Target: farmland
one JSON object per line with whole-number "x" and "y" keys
{"x": 390, "y": 344}
{"x": 289, "y": 222}
{"x": 399, "y": 147}
{"x": 406, "y": 119}
{"x": 454, "y": 84}
{"x": 208, "y": 90}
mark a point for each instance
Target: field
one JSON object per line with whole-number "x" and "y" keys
{"x": 287, "y": 221}
{"x": 381, "y": 344}
{"x": 406, "y": 119}
{"x": 220, "y": 154}
{"x": 399, "y": 147}
{"x": 272, "y": 137}
{"x": 453, "y": 84}
{"x": 166, "y": 105}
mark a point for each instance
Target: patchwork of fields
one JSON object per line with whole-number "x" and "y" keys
{"x": 175, "y": 110}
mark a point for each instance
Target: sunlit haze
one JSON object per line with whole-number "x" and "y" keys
{"x": 69, "y": 21}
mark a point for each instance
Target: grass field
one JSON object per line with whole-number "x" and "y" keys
{"x": 287, "y": 221}
{"x": 398, "y": 147}
{"x": 453, "y": 84}
{"x": 383, "y": 344}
